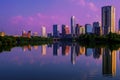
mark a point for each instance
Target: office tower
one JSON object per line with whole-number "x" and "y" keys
{"x": 65, "y": 30}
{"x": 29, "y": 34}
{"x": 44, "y": 31}
{"x": 96, "y": 28}
{"x": 49, "y": 35}
{"x": 82, "y": 30}
{"x": 77, "y": 29}
{"x": 35, "y": 34}
{"x": 2, "y": 34}
{"x": 109, "y": 62}
{"x": 88, "y": 28}
{"x": 55, "y": 31}
{"x": 108, "y": 20}
{"x": 72, "y": 25}
{"x": 24, "y": 34}
{"x": 43, "y": 49}
{"x": 119, "y": 26}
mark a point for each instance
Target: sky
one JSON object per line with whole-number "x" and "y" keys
{"x": 18, "y": 15}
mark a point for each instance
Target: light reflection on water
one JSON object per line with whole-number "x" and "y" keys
{"x": 61, "y": 61}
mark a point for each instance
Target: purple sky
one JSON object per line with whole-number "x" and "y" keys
{"x": 18, "y": 15}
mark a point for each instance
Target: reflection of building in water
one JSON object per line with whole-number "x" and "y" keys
{"x": 43, "y": 49}
{"x": 97, "y": 53}
{"x": 82, "y": 50}
{"x": 73, "y": 55}
{"x": 109, "y": 62}
{"x": 28, "y": 47}
{"x": 49, "y": 45}
{"x": 119, "y": 55}
{"x": 77, "y": 49}
{"x": 65, "y": 49}
{"x": 55, "y": 49}
{"x": 35, "y": 47}
{"x": 89, "y": 52}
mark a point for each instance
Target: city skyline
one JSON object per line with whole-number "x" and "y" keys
{"x": 31, "y": 15}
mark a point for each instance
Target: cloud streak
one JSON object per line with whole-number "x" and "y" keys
{"x": 86, "y": 4}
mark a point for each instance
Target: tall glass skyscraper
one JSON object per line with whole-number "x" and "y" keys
{"x": 55, "y": 30}
{"x": 73, "y": 25}
{"x": 119, "y": 25}
{"x": 108, "y": 19}
{"x": 44, "y": 31}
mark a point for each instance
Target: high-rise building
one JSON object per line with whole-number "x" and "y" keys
{"x": 88, "y": 28}
{"x": 96, "y": 28}
{"x": 77, "y": 29}
{"x": 109, "y": 62}
{"x": 44, "y": 31}
{"x": 65, "y": 30}
{"x": 73, "y": 25}
{"x": 49, "y": 35}
{"x": 108, "y": 19}
{"x": 55, "y": 31}
{"x": 25, "y": 34}
{"x": 2, "y": 34}
{"x": 82, "y": 30}
{"x": 119, "y": 25}
{"x": 29, "y": 34}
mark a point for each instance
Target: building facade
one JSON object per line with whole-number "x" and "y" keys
{"x": 73, "y": 25}
{"x": 88, "y": 29}
{"x": 97, "y": 28}
{"x": 44, "y": 31}
{"x": 108, "y": 19}
{"x": 55, "y": 30}
{"x": 65, "y": 30}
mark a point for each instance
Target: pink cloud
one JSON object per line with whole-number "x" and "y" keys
{"x": 86, "y": 4}
{"x": 34, "y": 22}
{"x": 16, "y": 19}
{"x": 92, "y": 6}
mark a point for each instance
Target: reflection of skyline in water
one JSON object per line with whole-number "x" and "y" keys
{"x": 43, "y": 49}
{"x": 75, "y": 50}
{"x": 109, "y": 62}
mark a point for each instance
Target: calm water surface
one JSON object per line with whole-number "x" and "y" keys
{"x": 60, "y": 61}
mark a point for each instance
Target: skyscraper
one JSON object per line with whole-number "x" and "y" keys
{"x": 77, "y": 29}
{"x": 96, "y": 28}
{"x": 55, "y": 31}
{"x": 65, "y": 30}
{"x": 119, "y": 25}
{"x": 108, "y": 19}
{"x": 44, "y": 31}
{"x": 73, "y": 25}
{"x": 88, "y": 28}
